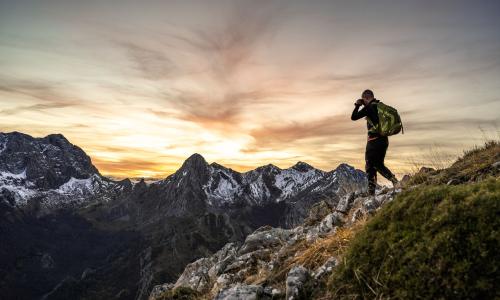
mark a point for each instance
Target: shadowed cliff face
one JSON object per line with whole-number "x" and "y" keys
{"x": 37, "y": 253}
{"x": 101, "y": 239}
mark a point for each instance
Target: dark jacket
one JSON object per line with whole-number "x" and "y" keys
{"x": 370, "y": 112}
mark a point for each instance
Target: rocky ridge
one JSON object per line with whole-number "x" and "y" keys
{"x": 265, "y": 265}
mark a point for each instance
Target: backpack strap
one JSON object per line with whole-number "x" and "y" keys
{"x": 375, "y": 127}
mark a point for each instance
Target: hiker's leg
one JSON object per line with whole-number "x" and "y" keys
{"x": 379, "y": 163}
{"x": 371, "y": 172}
{"x": 382, "y": 146}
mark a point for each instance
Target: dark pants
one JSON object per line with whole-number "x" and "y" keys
{"x": 374, "y": 157}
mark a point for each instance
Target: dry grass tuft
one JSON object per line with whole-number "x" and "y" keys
{"x": 314, "y": 255}
{"x": 332, "y": 245}
{"x": 473, "y": 166}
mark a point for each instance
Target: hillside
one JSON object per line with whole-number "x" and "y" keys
{"x": 437, "y": 238}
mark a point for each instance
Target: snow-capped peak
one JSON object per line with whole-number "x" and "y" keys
{"x": 269, "y": 183}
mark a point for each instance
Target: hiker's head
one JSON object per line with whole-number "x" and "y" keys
{"x": 367, "y": 96}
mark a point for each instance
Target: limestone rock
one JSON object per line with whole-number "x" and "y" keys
{"x": 345, "y": 203}
{"x": 296, "y": 282}
{"x": 317, "y": 212}
{"x": 326, "y": 268}
{"x": 243, "y": 292}
{"x": 264, "y": 238}
{"x": 329, "y": 222}
{"x": 160, "y": 289}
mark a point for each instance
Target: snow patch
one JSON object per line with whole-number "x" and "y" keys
{"x": 8, "y": 175}
{"x": 21, "y": 194}
{"x": 76, "y": 185}
{"x": 291, "y": 181}
{"x": 226, "y": 190}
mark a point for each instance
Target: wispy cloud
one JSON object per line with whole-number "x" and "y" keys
{"x": 219, "y": 61}
{"x": 151, "y": 63}
{"x": 41, "y": 89}
{"x": 39, "y": 107}
{"x": 279, "y": 136}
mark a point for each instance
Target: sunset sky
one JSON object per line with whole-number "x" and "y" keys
{"x": 141, "y": 85}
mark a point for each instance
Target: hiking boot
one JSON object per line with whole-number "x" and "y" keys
{"x": 395, "y": 182}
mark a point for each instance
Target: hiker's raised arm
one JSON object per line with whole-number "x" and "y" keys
{"x": 358, "y": 114}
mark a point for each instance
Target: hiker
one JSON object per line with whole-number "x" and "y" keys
{"x": 377, "y": 143}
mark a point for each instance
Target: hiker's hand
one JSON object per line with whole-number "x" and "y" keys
{"x": 359, "y": 102}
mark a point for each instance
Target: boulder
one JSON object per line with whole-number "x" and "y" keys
{"x": 296, "y": 283}
{"x": 312, "y": 234}
{"x": 158, "y": 290}
{"x": 243, "y": 292}
{"x": 317, "y": 212}
{"x": 223, "y": 258}
{"x": 195, "y": 275}
{"x": 330, "y": 222}
{"x": 326, "y": 268}
{"x": 263, "y": 239}
{"x": 222, "y": 282}
{"x": 345, "y": 203}
{"x": 273, "y": 292}
{"x": 370, "y": 205}
{"x": 200, "y": 274}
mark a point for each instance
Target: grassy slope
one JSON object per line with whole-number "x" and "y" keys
{"x": 474, "y": 165}
{"x": 433, "y": 242}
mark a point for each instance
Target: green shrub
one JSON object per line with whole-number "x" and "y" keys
{"x": 434, "y": 242}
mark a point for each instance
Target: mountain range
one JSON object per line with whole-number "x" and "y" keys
{"x": 68, "y": 232}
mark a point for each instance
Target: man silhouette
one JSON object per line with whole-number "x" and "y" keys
{"x": 376, "y": 146}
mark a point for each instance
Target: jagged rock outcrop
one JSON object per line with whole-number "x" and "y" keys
{"x": 296, "y": 280}
{"x": 251, "y": 266}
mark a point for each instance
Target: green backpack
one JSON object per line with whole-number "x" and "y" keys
{"x": 389, "y": 120}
